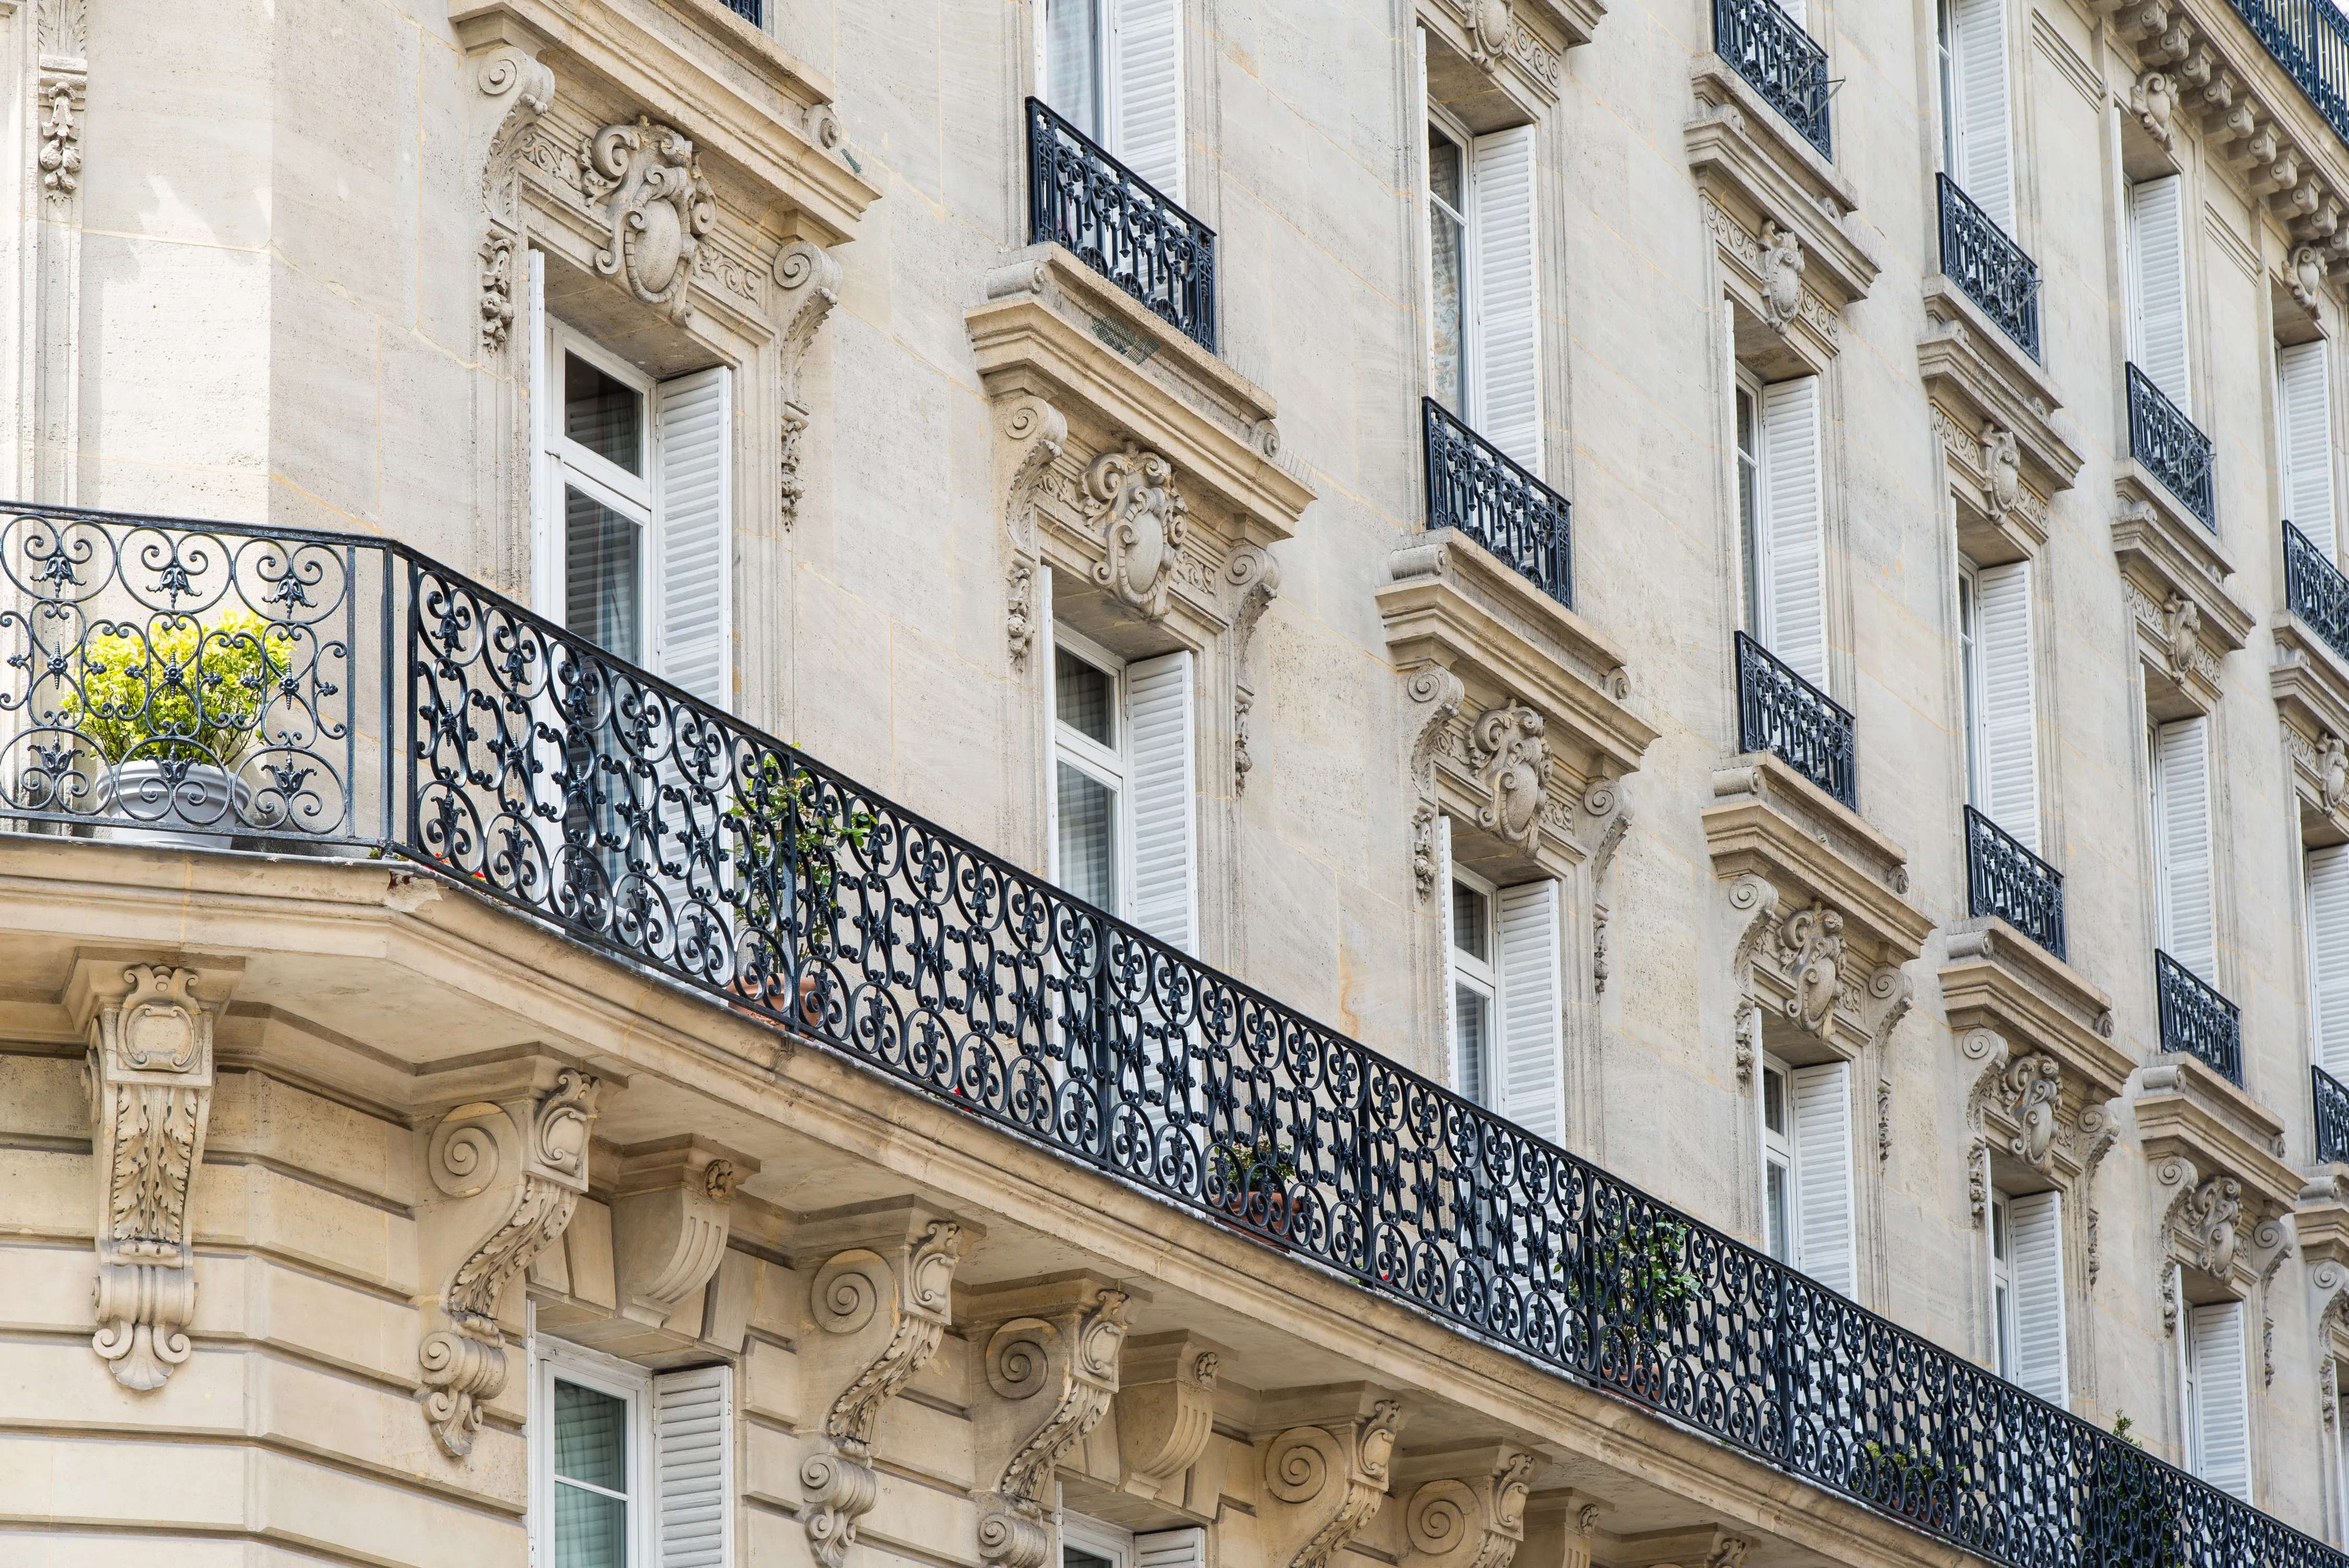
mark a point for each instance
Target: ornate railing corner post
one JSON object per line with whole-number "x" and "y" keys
{"x": 2172, "y": 447}
{"x": 1780, "y": 712}
{"x": 1120, "y": 225}
{"x": 1780, "y": 60}
{"x": 2332, "y": 1116}
{"x": 1993, "y": 271}
{"x": 2005, "y": 879}
{"x": 1487, "y": 495}
{"x": 2196, "y": 1019}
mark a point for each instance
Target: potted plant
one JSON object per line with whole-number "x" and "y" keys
{"x": 2130, "y": 1523}
{"x": 172, "y": 708}
{"x": 789, "y": 832}
{"x": 1640, "y": 1288}
{"x": 1249, "y": 1179}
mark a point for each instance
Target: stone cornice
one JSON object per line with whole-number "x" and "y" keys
{"x": 1751, "y": 159}
{"x": 1998, "y": 979}
{"x": 1769, "y": 821}
{"x": 2183, "y": 1109}
{"x": 1975, "y": 372}
{"x": 2172, "y": 562}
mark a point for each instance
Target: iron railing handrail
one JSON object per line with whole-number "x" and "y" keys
{"x": 1828, "y": 754}
{"x": 2316, "y": 590}
{"x": 1781, "y": 61}
{"x": 2172, "y": 447}
{"x": 2310, "y": 39}
{"x": 2006, "y": 877}
{"x": 871, "y": 931}
{"x": 1121, "y": 226}
{"x": 2198, "y": 1020}
{"x": 1479, "y": 489}
{"x": 750, "y": 11}
{"x": 2330, "y": 1100}
{"x": 1983, "y": 259}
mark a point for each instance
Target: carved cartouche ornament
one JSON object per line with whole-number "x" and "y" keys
{"x": 1812, "y": 948}
{"x": 2003, "y": 460}
{"x": 2333, "y": 771}
{"x": 1782, "y": 276}
{"x": 1130, "y": 494}
{"x": 1507, "y": 749}
{"x": 2029, "y": 1088}
{"x": 2211, "y": 1217}
{"x": 659, "y": 208}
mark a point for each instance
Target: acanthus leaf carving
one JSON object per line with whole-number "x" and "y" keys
{"x": 1130, "y": 494}
{"x": 807, "y": 280}
{"x": 1075, "y": 1359}
{"x": 1470, "y": 1521}
{"x": 657, "y": 205}
{"x": 1339, "y": 1471}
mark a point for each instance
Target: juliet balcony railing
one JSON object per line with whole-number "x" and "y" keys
{"x": 1995, "y": 273}
{"x": 751, "y": 11}
{"x": 1778, "y": 710}
{"x": 1477, "y": 488}
{"x": 2332, "y": 1104}
{"x": 2197, "y": 1020}
{"x": 332, "y": 695}
{"x": 1780, "y": 60}
{"x": 2004, "y": 878}
{"x": 2316, "y": 590}
{"x": 2171, "y": 448}
{"x": 1120, "y": 225}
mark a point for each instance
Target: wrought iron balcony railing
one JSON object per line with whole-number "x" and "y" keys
{"x": 1120, "y": 225}
{"x": 2004, "y": 878}
{"x": 1780, "y": 60}
{"x": 1996, "y": 273}
{"x": 2310, "y": 39}
{"x": 342, "y": 694}
{"x": 2316, "y": 590}
{"x": 2197, "y": 1020}
{"x": 1778, "y": 710}
{"x": 1477, "y": 488}
{"x": 2170, "y": 445}
{"x": 750, "y": 11}
{"x": 2332, "y": 1118}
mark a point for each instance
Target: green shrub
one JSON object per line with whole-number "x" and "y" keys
{"x": 178, "y": 690}
{"x": 784, "y": 821}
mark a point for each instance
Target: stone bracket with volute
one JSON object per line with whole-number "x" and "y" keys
{"x": 1466, "y": 1509}
{"x": 671, "y": 1203}
{"x": 1052, "y": 1370}
{"x": 1327, "y": 1476}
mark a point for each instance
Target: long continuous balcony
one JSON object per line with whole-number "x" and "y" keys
{"x": 2310, "y": 39}
{"x": 1120, "y": 225}
{"x": 1477, "y": 488}
{"x": 2316, "y": 590}
{"x": 2170, "y": 446}
{"x": 1995, "y": 273}
{"x": 2332, "y": 1105}
{"x": 2197, "y": 1020}
{"x": 2006, "y": 880}
{"x": 1780, "y": 60}
{"x": 324, "y": 694}
{"x": 1778, "y": 710}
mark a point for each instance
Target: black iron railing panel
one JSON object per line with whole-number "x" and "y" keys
{"x": 1477, "y": 488}
{"x": 1780, "y": 60}
{"x": 1996, "y": 273}
{"x": 2331, "y": 1103}
{"x": 2004, "y": 878}
{"x": 2172, "y": 447}
{"x": 476, "y": 740}
{"x": 1778, "y": 710}
{"x": 1120, "y": 225}
{"x": 2310, "y": 39}
{"x": 751, "y": 11}
{"x": 2197, "y": 1020}
{"x": 2316, "y": 590}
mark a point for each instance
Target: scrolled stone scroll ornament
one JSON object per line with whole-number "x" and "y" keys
{"x": 1782, "y": 276}
{"x": 1304, "y": 1463}
{"x": 1811, "y": 946}
{"x": 658, "y": 206}
{"x": 2029, "y": 1089}
{"x": 1144, "y": 523}
{"x": 150, "y": 1077}
{"x": 1508, "y": 750}
{"x": 1025, "y": 1357}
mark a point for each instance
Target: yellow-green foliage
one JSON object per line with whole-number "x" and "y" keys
{"x": 177, "y": 689}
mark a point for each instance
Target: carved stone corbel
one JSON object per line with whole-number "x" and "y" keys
{"x": 150, "y": 1077}
{"x": 1754, "y": 901}
{"x": 1473, "y": 1520}
{"x": 1252, "y": 577}
{"x": 511, "y": 1172}
{"x": 531, "y": 87}
{"x": 807, "y": 281}
{"x": 1324, "y": 1482}
{"x": 1436, "y": 693}
{"x": 656, "y": 206}
{"x": 1067, "y": 1363}
{"x": 2272, "y": 1242}
{"x": 1607, "y": 821}
{"x": 1165, "y": 1409}
{"x": 1029, "y": 434}
{"x": 671, "y": 1204}
{"x": 881, "y": 1306}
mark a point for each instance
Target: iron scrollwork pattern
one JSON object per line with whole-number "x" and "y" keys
{"x": 2172, "y": 447}
{"x": 1780, "y": 60}
{"x": 1477, "y": 488}
{"x": 2197, "y": 1020}
{"x": 1779, "y": 711}
{"x": 2004, "y": 878}
{"x": 1121, "y": 226}
{"x": 2310, "y": 39}
{"x": 526, "y": 766}
{"x": 2332, "y": 1118}
{"x": 1996, "y": 273}
{"x": 2316, "y": 590}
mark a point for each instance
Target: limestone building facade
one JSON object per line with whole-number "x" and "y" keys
{"x": 1175, "y": 783}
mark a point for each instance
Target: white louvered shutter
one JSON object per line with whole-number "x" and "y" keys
{"x": 2328, "y": 957}
{"x": 1507, "y": 289}
{"x": 1827, "y": 1247}
{"x": 1533, "y": 1040}
{"x": 1146, "y": 96}
{"x": 2182, "y": 821}
{"x": 1451, "y": 941}
{"x": 2304, "y": 439}
{"x": 2035, "y": 1245}
{"x": 693, "y": 1467}
{"x": 2222, "y": 1424}
{"x": 1797, "y": 599}
{"x": 693, "y": 534}
{"x": 2157, "y": 285}
{"x": 1797, "y": 9}
{"x": 1161, "y": 748}
{"x": 1184, "y": 1548}
{"x": 1984, "y": 140}
{"x": 2010, "y": 710}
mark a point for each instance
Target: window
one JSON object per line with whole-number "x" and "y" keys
{"x": 1504, "y": 988}
{"x": 2027, "y": 1293}
{"x": 634, "y": 533}
{"x": 1088, "y": 1542}
{"x": 2304, "y": 439}
{"x": 1474, "y": 993}
{"x": 1125, "y": 807}
{"x": 2002, "y": 713}
{"x": 2216, "y": 1372}
{"x": 2328, "y": 959}
{"x": 2001, "y": 1284}
{"x": 1448, "y": 241}
{"x": 1806, "y": 1171}
{"x": 1975, "y": 125}
{"x": 2181, "y": 829}
{"x": 629, "y": 1469}
{"x": 1782, "y": 536}
{"x": 2156, "y": 279}
{"x": 1113, "y": 68}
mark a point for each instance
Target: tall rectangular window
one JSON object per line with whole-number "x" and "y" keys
{"x": 2181, "y": 822}
{"x": 1114, "y": 69}
{"x": 2156, "y": 278}
{"x": 2304, "y": 439}
{"x": 1125, "y": 789}
{"x": 1780, "y": 521}
{"x": 629, "y": 1469}
{"x": 1447, "y": 242}
{"x": 1504, "y": 991}
{"x": 2217, "y": 1397}
{"x": 1806, "y": 1171}
{"x": 2328, "y": 958}
{"x": 1475, "y": 993}
{"x": 1975, "y": 118}
{"x": 1484, "y": 281}
{"x": 2002, "y": 713}
{"x": 1777, "y": 1166}
{"x": 2001, "y": 1284}
{"x": 2039, "y": 1359}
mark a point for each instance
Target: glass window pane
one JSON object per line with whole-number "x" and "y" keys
{"x": 1085, "y": 697}
{"x": 1774, "y": 1190}
{"x": 1088, "y": 830}
{"x": 591, "y": 1531}
{"x": 602, "y": 583}
{"x": 2003, "y": 1307}
{"x": 591, "y": 1437}
{"x": 1970, "y": 678}
{"x": 1774, "y": 1101}
{"x": 1749, "y": 522}
{"x": 1473, "y": 1013}
{"x": 1470, "y": 921}
{"x": 1072, "y": 30}
{"x": 604, "y": 415}
{"x": 1078, "y": 1557}
{"x": 1448, "y": 284}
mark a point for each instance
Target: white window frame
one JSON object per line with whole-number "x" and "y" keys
{"x": 1778, "y": 1153}
{"x": 1104, "y": 73}
{"x": 1099, "y": 1537}
{"x": 569, "y": 463}
{"x": 1481, "y": 976}
{"x": 1945, "y": 54}
{"x": 1749, "y": 477}
{"x": 1471, "y": 284}
{"x": 1976, "y": 687}
{"x": 2004, "y": 1337}
{"x": 1107, "y": 765}
{"x": 554, "y": 1358}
